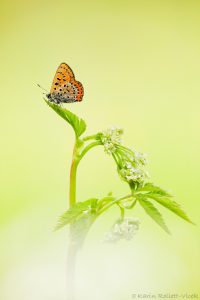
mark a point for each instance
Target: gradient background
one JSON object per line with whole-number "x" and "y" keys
{"x": 140, "y": 66}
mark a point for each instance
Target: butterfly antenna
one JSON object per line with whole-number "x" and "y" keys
{"x": 42, "y": 88}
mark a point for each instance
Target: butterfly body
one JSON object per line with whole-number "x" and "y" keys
{"x": 65, "y": 89}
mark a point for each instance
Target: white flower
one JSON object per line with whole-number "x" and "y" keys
{"x": 133, "y": 172}
{"x": 125, "y": 229}
{"x": 140, "y": 158}
{"x": 137, "y": 157}
{"x": 110, "y": 138}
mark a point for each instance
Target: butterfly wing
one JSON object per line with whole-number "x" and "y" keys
{"x": 64, "y": 87}
{"x": 63, "y": 74}
{"x": 79, "y": 90}
{"x": 71, "y": 92}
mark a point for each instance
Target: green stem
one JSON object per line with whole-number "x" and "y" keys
{"x": 122, "y": 211}
{"x": 75, "y": 161}
{"x": 112, "y": 203}
{"x": 87, "y": 148}
{"x": 72, "y": 248}
{"x": 72, "y": 189}
{"x": 89, "y": 137}
{"x": 125, "y": 149}
{"x": 115, "y": 159}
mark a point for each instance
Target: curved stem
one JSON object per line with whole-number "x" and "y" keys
{"x": 115, "y": 159}
{"x": 75, "y": 161}
{"x": 125, "y": 149}
{"x": 87, "y": 148}
{"x": 112, "y": 203}
{"x": 109, "y": 205}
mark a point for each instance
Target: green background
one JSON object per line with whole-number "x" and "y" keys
{"x": 140, "y": 67}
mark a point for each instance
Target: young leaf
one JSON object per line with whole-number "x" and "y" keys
{"x": 78, "y": 125}
{"x": 150, "y": 187}
{"x": 171, "y": 205}
{"x": 153, "y": 212}
{"x": 75, "y": 211}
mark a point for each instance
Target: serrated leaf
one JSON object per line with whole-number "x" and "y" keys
{"x": 153, "y": 212}
{"x": 71, "y": 215}
{"x": 150, "y": 187}
{"x": 171, "y": 205}
{"x": 78, "y": 124}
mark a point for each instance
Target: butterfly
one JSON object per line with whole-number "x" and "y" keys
{"x": 65, "y": 89}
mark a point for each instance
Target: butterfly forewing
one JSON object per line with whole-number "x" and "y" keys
{"x": 63, "y": 74}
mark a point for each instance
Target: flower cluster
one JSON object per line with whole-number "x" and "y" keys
{"x": 110, "y": 138}
{"x": 131, "y": 173}
{"x": 132, "y": 168}
{"x": 130, "y": 162}
{"x": 124, "y": 229}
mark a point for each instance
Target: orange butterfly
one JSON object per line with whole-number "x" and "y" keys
{"x": 65, "y": 89}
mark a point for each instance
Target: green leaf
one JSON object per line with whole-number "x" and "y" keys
{"x": 78, "y": 124}
{"x": 150, "y": 187}
{"x": 153, "y": 212}
{"x": 80, "y": 208}
{"x": 171, "y": 205}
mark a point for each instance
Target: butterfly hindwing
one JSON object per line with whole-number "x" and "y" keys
{"x": 79, "y": 90}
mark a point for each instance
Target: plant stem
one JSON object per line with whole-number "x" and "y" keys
{"x": 122, "y": 211}
{"x": 90, "y": 137}
{"x": 72, "y": 189}
{"x": 72, "y": 248}
{"x": 87, "y": 148}
{"x": 112, "y": 203}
